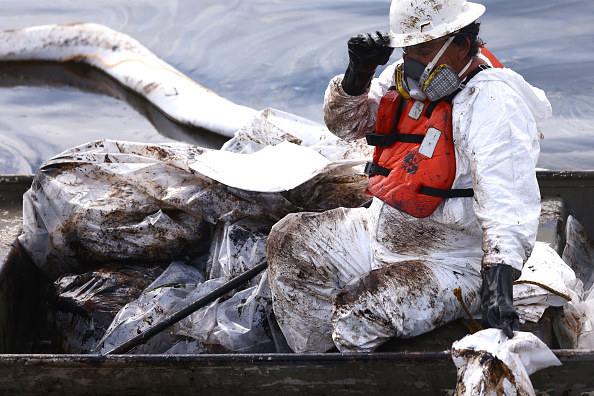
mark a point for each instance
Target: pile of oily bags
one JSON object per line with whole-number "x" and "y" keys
{"x": 139, "y": 229}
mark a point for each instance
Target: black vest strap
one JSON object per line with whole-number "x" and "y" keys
{"x": 373, "y": 169}
{"x": 452, "y": 193}
{"x": 431, "y": 106}
{"x": 382, "y": 140}
{"x": 386, "y": 140}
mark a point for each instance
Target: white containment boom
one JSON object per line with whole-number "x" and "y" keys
{"x": 133, "y": 65}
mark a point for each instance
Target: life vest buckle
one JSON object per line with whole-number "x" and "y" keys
{"x": 372, "y": 169}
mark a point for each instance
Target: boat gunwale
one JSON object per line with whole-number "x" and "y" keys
{"x": 564, "y": 355}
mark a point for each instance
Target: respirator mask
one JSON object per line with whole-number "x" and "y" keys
{"x": 417, "y": 81}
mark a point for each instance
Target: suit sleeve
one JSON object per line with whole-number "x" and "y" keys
{"x": 351, "y": 117}
{"x": 503, "y": 148}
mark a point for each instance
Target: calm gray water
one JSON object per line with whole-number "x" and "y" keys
{"x": 275, "y": 53}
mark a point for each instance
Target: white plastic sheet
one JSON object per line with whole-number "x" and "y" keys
{"x": 579, "y": 252}
{"x": 272, "y": 169}
{"x": 489, "y": 363}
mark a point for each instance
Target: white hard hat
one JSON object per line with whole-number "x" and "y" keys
{"x": 417, "y": 21}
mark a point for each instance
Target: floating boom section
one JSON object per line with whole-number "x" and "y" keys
{"x": 133, "y": 65}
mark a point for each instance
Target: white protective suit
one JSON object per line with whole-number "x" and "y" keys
{"x": 356, "y": 277}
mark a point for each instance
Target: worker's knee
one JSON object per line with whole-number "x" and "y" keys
{"x": 401, "y": 300}
{"x": 359, "y": 317}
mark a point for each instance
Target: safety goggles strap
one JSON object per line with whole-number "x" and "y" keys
{"x": 432, "y": 64}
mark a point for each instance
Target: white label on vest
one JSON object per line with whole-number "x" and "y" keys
{"x": 416, "y": 110}
{"x": 430, "y": 142}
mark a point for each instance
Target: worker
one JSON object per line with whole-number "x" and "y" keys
{"x": 455, "y": 202}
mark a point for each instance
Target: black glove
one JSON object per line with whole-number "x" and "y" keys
{"x": 366, "y": 52}
{"x": 497, "y": 299}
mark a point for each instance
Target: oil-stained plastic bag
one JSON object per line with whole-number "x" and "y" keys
{"x": 579, "y": 252}
{"x": 489, "y": 363}
{"x": 574, "y": 325}
{"x": 273, "y": 126}
{"x": 242, "y": 322}
{"x": 238, "y": 324}
{"x": 160, "y": 297}
{"x": 85, "y": 305}
{"x": 237, "y": 247}
{"x": 112, "y": 201}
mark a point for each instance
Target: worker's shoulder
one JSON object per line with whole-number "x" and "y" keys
{"x": 494, "y": 83}
{"x": 497, "y": 78}
{"x": 504, "y": 89}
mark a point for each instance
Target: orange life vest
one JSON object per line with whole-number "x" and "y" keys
{"x": 400, "y": 175}
{"x": 414, "y": 163}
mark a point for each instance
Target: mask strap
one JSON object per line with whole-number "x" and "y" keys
{"x": 432, "y": 64}
{"x": 466, "y": 67}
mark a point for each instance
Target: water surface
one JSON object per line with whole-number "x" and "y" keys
{"x": 278, "y": 54}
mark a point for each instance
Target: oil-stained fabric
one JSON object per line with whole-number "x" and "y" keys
{"x": 311, "y": 256}
{"x": 356, "y": 277}
{"x": 496, "y": 141}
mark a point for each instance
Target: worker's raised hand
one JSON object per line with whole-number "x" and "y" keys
{"x": 497, "y": 299}
{"x": 370, "y": 49}
{"x": 366, "y": 52}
